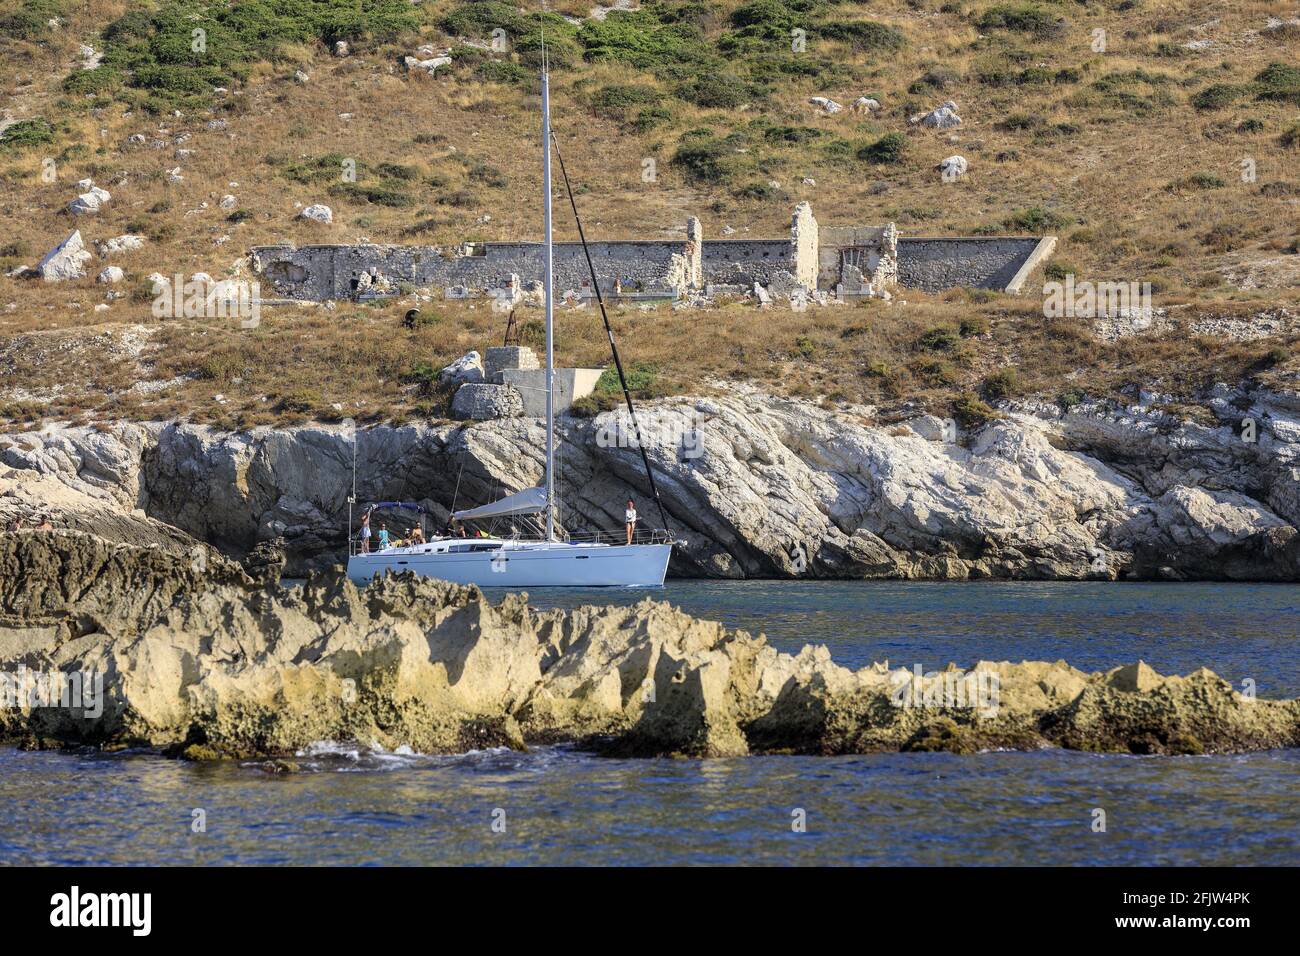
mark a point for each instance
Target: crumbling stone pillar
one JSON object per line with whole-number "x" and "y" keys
{"x": 803, "y": 246}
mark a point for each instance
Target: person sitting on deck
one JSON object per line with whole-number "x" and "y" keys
{"x": 417, "y": 536}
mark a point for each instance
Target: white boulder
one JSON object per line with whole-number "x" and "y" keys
{"x": 825, "y": 104}
{"x": 118, "y": 245}
{"x": 110, "y": 275}
{"x": 952, "y": 168}
{"x": 944, "y": 117}
{"x": 865, "y": 104}
{"x": 67, "y": 260}
{"x": 90, "y": 201}
{"x": 429, "y": 65}
{"x": 318, "y": 212}
{"x": 466, "y": 369}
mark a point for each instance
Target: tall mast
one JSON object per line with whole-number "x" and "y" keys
{"x": 550, "y": 304}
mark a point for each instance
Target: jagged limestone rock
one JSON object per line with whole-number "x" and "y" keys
{"x": 207, "y": 663}
{"x": 757, "y": 485}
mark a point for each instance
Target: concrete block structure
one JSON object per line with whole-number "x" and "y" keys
{"x": 846, "y": 261}
{"x": 515, "y": 384}
{"x": 571, "y": 384}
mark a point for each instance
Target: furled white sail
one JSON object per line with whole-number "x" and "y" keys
{"x": 530, "y": 501}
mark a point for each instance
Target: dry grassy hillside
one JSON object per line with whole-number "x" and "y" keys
{"x": 1132, "y": 154}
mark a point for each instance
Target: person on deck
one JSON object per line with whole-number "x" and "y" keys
{"x": 417, "y": 535}
{"x": 630, "y": 518}
{"x": 365, "y": 533}
{"x": 383, "y": 537}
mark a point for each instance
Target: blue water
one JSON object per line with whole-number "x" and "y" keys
{"x": 344, "y": 804}
{"x": 1237, "y": 630}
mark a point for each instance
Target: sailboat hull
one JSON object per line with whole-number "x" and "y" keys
{"x": 554, "y": 565}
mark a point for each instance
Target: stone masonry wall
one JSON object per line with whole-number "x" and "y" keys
{"x": 934, "y": 264}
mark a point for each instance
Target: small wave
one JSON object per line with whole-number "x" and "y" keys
{"x": 353, "y": 756}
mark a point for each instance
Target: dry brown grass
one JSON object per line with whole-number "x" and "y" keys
{"x": 1109, "y": 179}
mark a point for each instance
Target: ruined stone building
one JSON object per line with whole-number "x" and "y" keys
{"x": 841, "y": 262}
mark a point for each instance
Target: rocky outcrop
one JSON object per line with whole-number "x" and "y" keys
{"x": 761, "y": 486}
{"x": 216, "y": 665}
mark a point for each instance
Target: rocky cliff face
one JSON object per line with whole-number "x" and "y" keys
{"x": 756, "y": 485}
{"x": 219, "y": 665}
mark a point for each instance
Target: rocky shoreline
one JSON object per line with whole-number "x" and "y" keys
{"x": 757, "y": 485}
{"x": 202, "y": 660}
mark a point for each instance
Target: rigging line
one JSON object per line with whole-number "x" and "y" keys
{"x": 455, "y": 495}
{"x": 609, "y": 331}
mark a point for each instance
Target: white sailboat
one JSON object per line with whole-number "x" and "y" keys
{"x": 602, "y": 559}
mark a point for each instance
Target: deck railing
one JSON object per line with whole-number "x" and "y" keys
{"x": 616, "y": 536}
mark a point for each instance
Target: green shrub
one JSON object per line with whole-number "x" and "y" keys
{"x": 972, "y": 325}
{"x": 971, "y": 412}
{"x": 1021, "y": 121}
{"x": 30, "y": 21}
{"x": 1036, "y": 219}
{"x": 707, "y": 159}
{"x": 638, "y": 38}
{"x": 642, "y": 381}
{"x": 615, "y": 101}
{"x": 1217, "y": 96}
{"x": 791, "y": 134}
{"x": 299, "y": 400}
{"x": 864, "y": 36}
{"x": 1290, "y": 137}
{"x": 381, "y": 193}
{"x": 1278, "y": 81}
{"x": 1000, "y": 385}
{"x": 940, "y": 339}
{"x": 25, "y": 134}
{"x": 720, "y": 90}
{"x": 1196, "y": 181}
{"x": 502, "y": 71}
{"x": 150, "y": 49}
{"x": 1057, "y": 271}
{"x": 770, "y": 19}
{"x": 1022, "y": 18}
{"x": 488, "y": 175}
{"x": 887, "y": 150}
{"x": 423, "y": 376}
{"x": 755, "y": 191}
{"x": 936, "y": 78}
{"x": 99, "y": 80}
{"x": 650, "y": 117}
{"x": 1068, "y": 399}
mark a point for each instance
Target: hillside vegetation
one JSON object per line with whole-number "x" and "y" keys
{"x": 1159, "y": 140}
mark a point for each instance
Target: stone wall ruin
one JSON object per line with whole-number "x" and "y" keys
{"x": 845, "y": 262}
